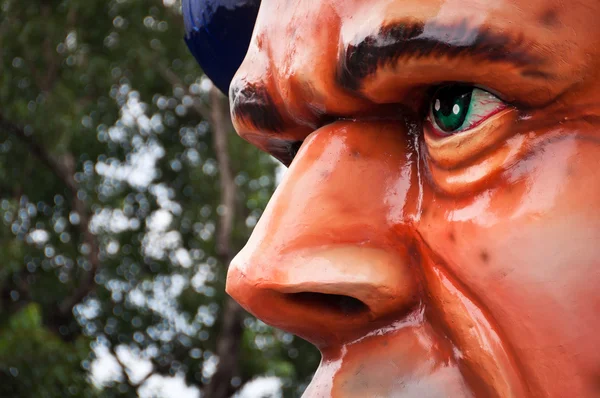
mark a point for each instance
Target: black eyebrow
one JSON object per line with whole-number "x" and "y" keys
{"x": 410, "y": 39}
{"x": 252, "y": 104}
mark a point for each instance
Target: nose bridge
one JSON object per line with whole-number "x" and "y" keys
{"x": 333, "y": 245}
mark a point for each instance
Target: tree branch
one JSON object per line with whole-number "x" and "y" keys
{"x": 38, "y": 151}
{"x": 87, "y": 282}
{"x": 228, "y": 342}
{"x": 221, "y": 127}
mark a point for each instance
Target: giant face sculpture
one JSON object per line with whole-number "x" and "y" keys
{"x": 437, "y": 232}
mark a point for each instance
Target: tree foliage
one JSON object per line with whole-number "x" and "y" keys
{"x": 110, "y": 205}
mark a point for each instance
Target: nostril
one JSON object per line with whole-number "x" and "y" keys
{"x": 333, "y": 302}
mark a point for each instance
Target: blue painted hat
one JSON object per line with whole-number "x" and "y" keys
{"x": 218, "y": 34}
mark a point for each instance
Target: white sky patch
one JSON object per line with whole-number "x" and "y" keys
{"x": 157, "y": 244}
{"x": 133, "y": 115}
{"x": 106, "y": 369}
{"x": 137, "y": 367}
{"x": 160, "y": 242}
{"x": 159, "y": 221}
{"x": 117, "y": 134}
{"x": 112, "y": 221}
{"x": 39, "y": 236}
{"x": 88, "y": 310}
{"x": 163, "y": 301}
{"x": 203, "y": 275}
{"x": 71, "y": 40}
{"x": 280, "y": 173}
{"x": 182, "y": 257}
{"x": 209, "y": 366}
{"x": 205, "y": 84}
{"x": 263, "y": 387}
{"x": 167, "y": 387}
{"x": 164, "y": 196}
{"x": 139, "y": 170}
{"x": 160, "y": 296}
{"x": 137, "y": 298}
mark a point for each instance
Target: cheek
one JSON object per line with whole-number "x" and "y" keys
{"x": 542, "y": 219}
{"x": 527, "y": 249}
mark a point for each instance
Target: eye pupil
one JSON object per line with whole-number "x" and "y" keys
{"x": 451, "y": 107}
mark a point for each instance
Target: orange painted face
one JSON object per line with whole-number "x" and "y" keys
{"x": 437, "y": 233}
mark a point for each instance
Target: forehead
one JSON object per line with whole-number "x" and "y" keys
{"x": 545, "y": 12}
{"x": 558, "y": 26}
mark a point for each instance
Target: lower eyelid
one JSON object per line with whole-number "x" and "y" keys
{"x": 450, "y": 151}
{"x": 475, "y": 174}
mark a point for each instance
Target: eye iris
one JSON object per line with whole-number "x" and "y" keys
{"x": 450, "y": 107}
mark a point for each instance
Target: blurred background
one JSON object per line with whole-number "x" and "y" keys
{"x": 124, "y": 193}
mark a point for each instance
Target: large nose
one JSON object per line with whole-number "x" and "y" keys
{"x": 334, "y": 255}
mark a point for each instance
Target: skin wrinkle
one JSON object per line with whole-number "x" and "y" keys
{"x": 534, "y": 148}
{"x": 440, "y": 263}
{"x": 410, "y": 39}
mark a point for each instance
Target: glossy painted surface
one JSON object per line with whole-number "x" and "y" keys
{"x": 218, "y": 33}
{"x": 425, "y": 265}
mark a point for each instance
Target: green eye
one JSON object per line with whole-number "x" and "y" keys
{"x": 456, "y": 108}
